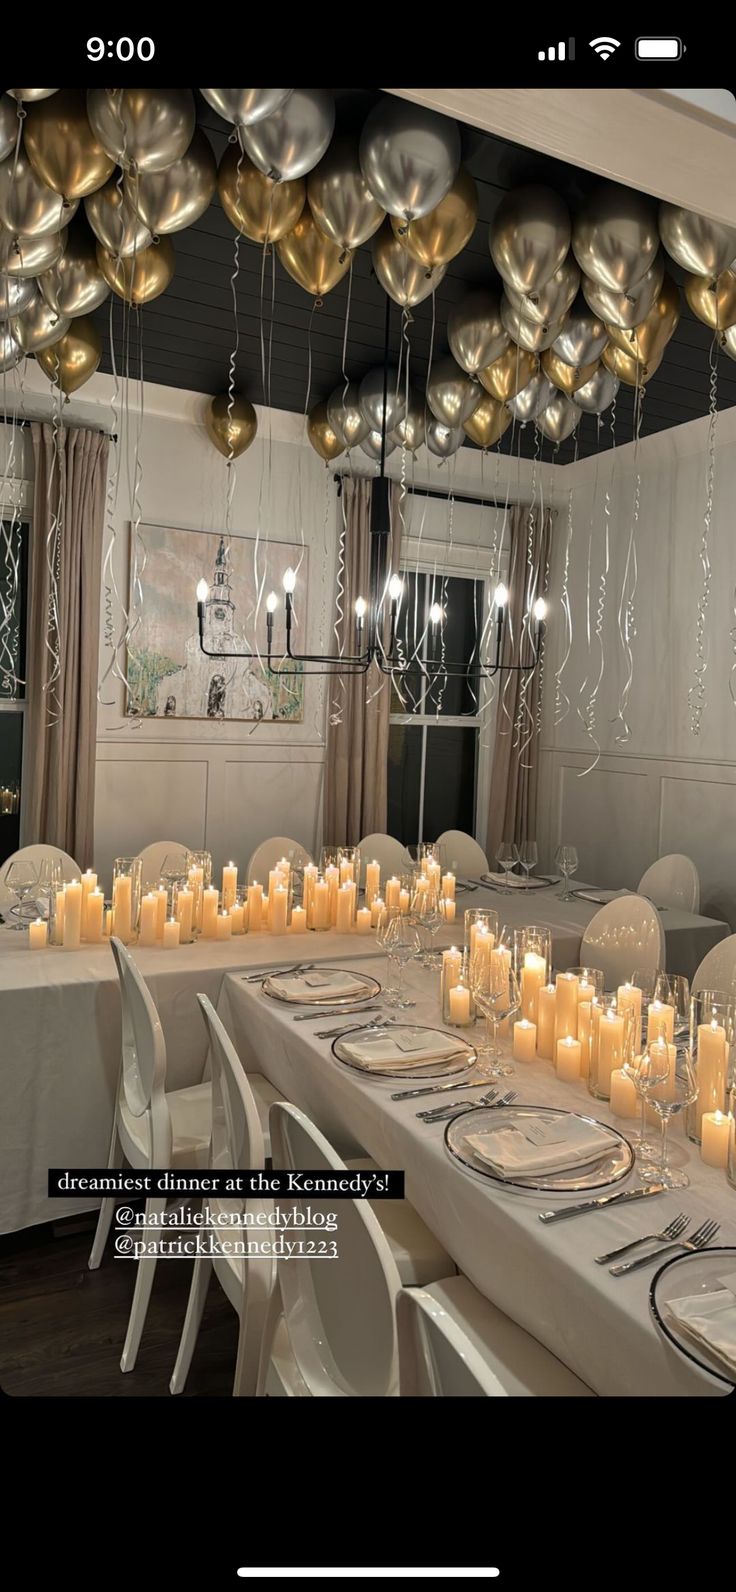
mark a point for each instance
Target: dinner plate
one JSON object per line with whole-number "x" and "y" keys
{"x": 371, "y": 988}
{"x": 609, "y": 1168}
{"x": 680, "y": 1277}
{"x": 460, "y": 1063}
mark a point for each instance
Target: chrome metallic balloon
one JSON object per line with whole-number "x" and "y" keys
{"x": 169, "y": 200}
{"x": 370, "y": 397}
{"x": 8, "y": 125}
{"x": 528, "y": 334}
{"x": 27, "y": 207}
{"x": 62, "y": 148}
{"x": 404, "y": 279}
{"x": 488, "y": 422}
{"x": 113, "y": 221}
{"x": 345, "y": 416}
{"x": 615, "y": 237}
{"x": 529, "y": 237}
{"x": 626, "y": 309}
{"x": 582, "y": 339}
{"x": 728, "y": 342}
{"x": 15, "y": 295}
{"x": 452, "y": 395}
{"x": 75, "y": 286}
{"x": 29, "y": 94}
{"x": 373, "y": 447}
{"x": 443, "y": 440}
{"x": 713, "y": 299}
{"x": 598, "y": 393}
{"x": 241, "y": 106}
{"x": 409, "y": 156}
{"x": 148, "y": 128}
{"x": 553, "y": 300}
{"x": 27, "y": 257}
{"x": 532, "y": 399}
{"x": 475, "y": 331}
{"x": 290, "y": 142}
{"x": 559, "y": 419}
{"x": 340, "y": 199}
{"x": 704, "y": 247}
{"x": 39, "y": 326}
{"x": 411, "y": 432}
{"x": 10, "y": 350}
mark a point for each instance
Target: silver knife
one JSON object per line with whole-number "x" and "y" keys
{"x": 600, "y": 1203}
{"x": 441, "y": 1088}
{"x": 334, "y": 1011}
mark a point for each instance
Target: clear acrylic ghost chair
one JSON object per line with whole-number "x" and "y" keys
{"x": 672, "y": 881}
{"x": 247, "y": 1280}
{"x": 626, "y": 934}
{"x": 152, "y": 857}
{"x": 36, "y": 855}
{"x": 453, "y": 1343}
{"x": 269, "y": 854}
{"x": 394, "y": 858}
{"x": 151, "y": 1128}
{"x": 718, "y": 969}
{"x": 331, "y": 1328}
{"x": 463, "y": 856}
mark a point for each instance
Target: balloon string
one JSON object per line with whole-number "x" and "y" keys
{"x": 503, "y": 698}
{"x": 696, "y": 694}
{"x": 562, "y": 700}
{"x": 626, "y": 612}
{"x": 545, "y": 594}
{"x": 523, "y": 710}
{"x": 10, "y": 680}
{"x": 580, "y": 708}
{"x": 52, "y": 638}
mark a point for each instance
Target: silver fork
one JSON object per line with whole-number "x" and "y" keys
{"x": 672, "y": 1230}
{"x": 700, "y": 1240}
{"x": 439, "y": 1113}
{"x": 285, "y": 972}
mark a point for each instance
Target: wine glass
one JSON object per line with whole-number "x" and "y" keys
{"x": 566, "y": 859}
{"x": 21, "y": 878}
{"x": 174, "y": 872}
{"x": 426, "y": 915}
{"x": 507, "y": 857}
{"x": 383, "y": 929}
{"x": 495, "y": 990}
{"x": 649, "y": 1071}
{"x": 673, "y": 989}
{"x": 668, "y": 1099}
{"x": 528, "y": 856}
{"x": 402, "y": 945}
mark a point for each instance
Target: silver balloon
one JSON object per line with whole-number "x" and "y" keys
{"x": 15, "y": 295}
{"x": 8, "y": 125}
{"x": 582, "y": 339}
{"x": 114, "y": 222}
{"x": 340, "y": 199}
{"x": 373, "y": 447}
{"x": 244, "y": 105}
{"x": 626, "y": 310}
{"x": 451, "y": 394}
{"x": 370, "y": 397}
{"x": 559, "y": 419}
{"x": 475, "y": 331}
{"x": 169, "y": 200}
{"x": 39, "y": 326}
{"x": 411, "y": 432}
{"x": 148, "y": 128}
{"x": 529, "y": 237}
{"x": 289, "y": 143}
{"x": 75, "y": 286}
{"x": 10, "y": 350}
{"x": 443, "y": 440}
{"x": 31, "y": 94}
{"x": 27, "y": 207}
{"x": 615, "y": 237}
{"x": 532, "y": 399}
{"x": 553, "y": 300}
{"x": 27, "y": 257}
{"x": 344, "y": 414}
{"x": 598, "y": 393}
{"x": 409, "y": 157}
{"x": 528, "y": 334}
{"x": 702, "y": 246}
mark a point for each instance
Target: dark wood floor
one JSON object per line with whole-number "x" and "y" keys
{"x": 62, "y": 1326}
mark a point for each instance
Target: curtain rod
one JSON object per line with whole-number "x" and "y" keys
{"x": 7, "y": 420}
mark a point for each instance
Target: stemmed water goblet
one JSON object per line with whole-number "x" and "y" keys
{"x": 402, "y": 944}
{"x": 495, "y": 990}
{"x": 386, "y": 918}
{"x": 673, "y": 989}
{"x": 174, "y": 873}
{"x": 426, "y": 915}
{"x": 566, "y": 859}
{"x": 649, "y": 1071}
{"x": 668, "y": 1099}
{"x": 507, "y": 857}
{"x": 21, "y": 878}
{"x": 528, "y": 857}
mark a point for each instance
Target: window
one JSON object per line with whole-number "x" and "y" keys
{"x": 13, "y": 606}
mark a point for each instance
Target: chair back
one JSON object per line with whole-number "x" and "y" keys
{"x": 339, "y": 1313}
{"x": 36, "y": 855}
{"x": 151, "y": 859}
{"x": 436, "y": 1357}
{"x": 143, "y": 1080}
{"x": 672, "y": 881}
{"x": 718, "y": 969}
{"x": 237, "y": 1136}
{"x": 392, "y": 856}
{"x": 463, "y": 856}
{"x": 268, "y": 855}
{"x": 626, "y": 935}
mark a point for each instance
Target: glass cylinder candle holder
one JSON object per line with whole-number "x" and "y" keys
{"x": 318, "y": 903}
{"x": 607, "y": 1048}
{"x": 126, "y": 897}
{"x": 591, "y": 982}
{"x": 458, "y": 1009}
{"x": 182, "y": 911}
{"x": 532, "y": 962}
{"x": 476, "y": 918}
{"x": 731, "y": 1162}
{"x": 199, "y": 879}
{"x": 711, "y": 1046}
{"x": 239, "y": 911}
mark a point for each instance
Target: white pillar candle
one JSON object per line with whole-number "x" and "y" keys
{"x": 452, "y": 962}
{"x": 624, "y": 1099}
{"x": 196, "y": 883}
{"x": 95, "y": 907}
{"x": 628, "y": 1005}
{"x": 460, "y": 1006}
{"x": 568, "y": 1058}
{"x": 265, "y": 912}
{"x": 310, "y": 875}
{"x": 147, "y": 925}
{"x": 73, "y": 915}
{"x": 255, "y": 906}
{"x": 363, "y": 920}
{"x": 332, "y": 880}
{"x": 223, "y": 926}
{"x": 392, "y": 892}
{"x": 585, "y": 1026}
{"x": 237, "y": 918}
{"x": 162, "y": 901}
{"x": 715, "y": 1135}
{"x": 229, "y": 885}
{"x": 279, "y": 906}
{"x": 586, "y": 990}
{"x": 711, "y": 1070}
{"x": 372, "y": 881}
{"x": 566, "y": 1011}
{"x": 546, "y": 1009}
{"x": 210, "y": 902}
{"x": 448, "y": 909}
{"x": 343, "y": 917}
{"x": 108, "y": 923}
{"x": 37, "y": 934}
{"x": 533, "y": 977}
{"x": 347, "y": 871}
{"x": 610, "y": 1048}
{"x": 171, "y": 934}
{"x": 448, "y": 886}
{"x": 482, "y": 948}
{"x": 377, "y": 905}
{"x": 404, "y": 899}
{"x": 321, "y": 909}
{"x": 185, "y": 913}
{"x": 89, "y": 883}
{"x": 299, "y": 920}
{"x": 59, "y": 918}
{"x": 122, "y": 906}
{"x": 525, "y": 1041}
{"x": 660, "y": 1022}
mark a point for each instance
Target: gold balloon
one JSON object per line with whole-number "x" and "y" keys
{"x": 314, "y": 261}
{"x": 488, "y": 422}
{"x": 567, "y": 377}
{"x": 231, "y": 428}
{"x": 714, "y": 302}
{"x": 138, "y": 278}
{"x": 647, "y": 341}
{"x": 258, "y": 207}
{"x": 436, "y": 238}
{"x": 321, "y": 435}
{"x": 71, "y": 362}
{"x": 626, "y": 366}
{"x": 400, "y": 275}
{"x": 62, "y": 147}
{"x": 509, "y": 373}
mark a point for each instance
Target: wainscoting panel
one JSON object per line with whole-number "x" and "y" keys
{"x": 609, "y": 815}
{"x": 698, "y": 816}
{"x": 271, "y": 797}
{"x": 141, "y": 799}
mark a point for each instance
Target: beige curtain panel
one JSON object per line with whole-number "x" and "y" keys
{"x": 512, "y": 812}
{"x": 61, "y": 717}
{"x": 358, "y": 705}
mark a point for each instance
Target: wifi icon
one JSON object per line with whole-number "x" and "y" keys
{"x": 605, "y": 47}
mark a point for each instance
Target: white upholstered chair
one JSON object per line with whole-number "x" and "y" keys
{"x": 672, "y": 881}
{"x": 718, "y": 969}
{"x": 151, "y": 859}
{"x": 462, "y": 855}
{"x": 269, "y": 854}
{"x": 392, "y": 856}
{"x": 626, "y": 934}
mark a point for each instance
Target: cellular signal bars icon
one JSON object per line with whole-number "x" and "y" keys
{"x": 558, "y": 52}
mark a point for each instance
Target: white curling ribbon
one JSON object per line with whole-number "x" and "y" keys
{"x": 696, "y": 694}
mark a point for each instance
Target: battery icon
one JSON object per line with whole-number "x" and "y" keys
{"x": 670, "y": 49}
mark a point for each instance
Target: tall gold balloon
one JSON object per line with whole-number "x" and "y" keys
{"x": 62, "y": 147}
{"x": 488, "y": 422}
{"x": 713, "y": 301}
{"x": 71, "y": 362}
{"x": 647, "y": 341}
{"x": 567, "y": 377}
{"x": 436, "y": 238}
{"x": 138, "y": 278}
{"x": 314, "y": 261}
{"x": 321, "y": 435}
{"x": 231, "y": 427}
{"x": 509, "y": 373}
{"x": 258, "y": 207}
{"x": 627, "y": 367}
{"x": 400, "y": 275}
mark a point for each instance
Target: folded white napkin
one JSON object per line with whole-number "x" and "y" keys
{"x": 515, "y": 881}
{"x": 317, "y": 986}
{"x": 709, "y": 1320}
{"x": 540, "y": 1145}
{"x": 390, "y": 1052}
{"x": 600, "y": 897}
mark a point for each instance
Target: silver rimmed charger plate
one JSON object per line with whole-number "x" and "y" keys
{"x": 681, "y": 1277}
{"x": 610, "y": 1167}
{"x": 322, "y": 995}
{"x": 464, "y": 1057}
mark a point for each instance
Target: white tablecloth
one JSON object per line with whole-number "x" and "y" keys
{"x": 543, "y": 1277}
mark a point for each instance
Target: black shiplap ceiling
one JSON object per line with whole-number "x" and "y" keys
{"x": 188, "y": 333}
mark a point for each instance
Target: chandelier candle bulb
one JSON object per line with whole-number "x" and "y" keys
{"x": 660, "y": 1022}
{"x": 89, "y": 883}
{"x": 711, "y": 1070}
{"x": 372, "y": 882}
{"x": 37, "y": 934}
{"x": 210, "y": 903}
{"x": 279, "y": 909}
{"x": 533, "y": 977}
{"x": 377, "y": 906}
{"x": 298, "y": 923}
{"x": 567, "y": 1007}
{"x": 624, "y": 1099}
{"x": 73, "y": 915}
{"x": 95, "y": 907}
{"x": 546, "y": 1014}
{"x": 59, "y": 918}
{"x": 610, "y": 1049}
{"x": 525, "y": 1041}
{"x": 171, "y": 934}
{"x": 185, "y": 914}
{"x": 448, "y": 886}
{"x": 223, "y": 926}
{"x": 715, "y": 1132}
{"x": 229, "y": 884}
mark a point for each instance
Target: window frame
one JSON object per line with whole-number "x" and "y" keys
{"x": 18, "y": 705}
